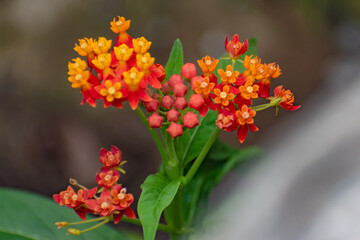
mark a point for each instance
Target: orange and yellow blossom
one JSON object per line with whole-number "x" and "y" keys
{"x": 246, "y": 122}
{"x": 141, "y": 45}
{"x": 133, "y": 78}
{"x": 102, "y": 45}
{"x": 85, "y": 48}
{"x": 229, "y": 76}
{"x": 111, "y": 90}
{"x": 208, "y": 65}
{"x": 123, "y": 53}
{"x": 78, "y": 65}
{"x": 223, "y": 96}
{"x": 249, "y": 90}
{"x": 144, "y": 61}
{"x": 120, "y": 26}
{"x": 204, "y": 87}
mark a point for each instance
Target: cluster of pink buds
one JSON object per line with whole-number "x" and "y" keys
{"x": 171, "y": 106}
{"x": 113, "y": 202}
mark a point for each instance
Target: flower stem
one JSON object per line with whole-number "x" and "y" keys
{"x": 190, "y": 174}
{"x": 153, "y": 133}
{"x": 161, "y": 227}
{"x": 96, "y": 226}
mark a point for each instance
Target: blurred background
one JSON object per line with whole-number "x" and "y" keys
{"x": 306, "y": 187}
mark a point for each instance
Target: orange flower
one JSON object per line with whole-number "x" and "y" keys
{"x": 204, "y": 87}
{"x": 102, "y": 45}
{"x": 107, "y": 177}
{"x": 229, "y": 76}
{"x": 110, "y": 90}
{"x": 287, "y": 98}
{"x": 141, "y": 45}
{"x": 246, "y": 122}
{"x": 85, "y": 48}
{"x": 120, "y": 26}
{"x": 223, "y": 96}
{"x": 249, "y": 90}
{"x": 207, "y": 64}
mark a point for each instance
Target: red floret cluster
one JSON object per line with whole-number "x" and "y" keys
{"x": 113, "y": 201}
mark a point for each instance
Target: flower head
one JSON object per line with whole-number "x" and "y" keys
{"x": 234, "y": 47}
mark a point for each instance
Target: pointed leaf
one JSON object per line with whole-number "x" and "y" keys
{"x": 175, "y": 61}
{"x": 157, "y": 193}
{"x": 24, "y": 215}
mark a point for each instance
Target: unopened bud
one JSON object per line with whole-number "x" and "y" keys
{"x": 61, "y": 224}
{"x": 165, "y": 88}
{"x": 188, "y": 71}
{"x": 190, "y": 120}
{"x": 180, "y": 103}
{"x": 151, "y": 106}
{"x": 155, "y": 120}
{"x": 172, "y": 115}
{"x": 175, "y": 130}
{"x": 196, "y": 101}
{"x": 175, "y": 79}
{"x": 180, "y": 90}
{"x": 167, "y": 102}
{"x": 74, "y": 231}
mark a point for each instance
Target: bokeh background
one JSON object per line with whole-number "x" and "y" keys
{"x": 307, "y": 185}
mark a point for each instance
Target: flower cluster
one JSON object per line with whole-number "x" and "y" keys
{"x": 231, "y": 92}
{"x": 172, "y": 103}
{"x": 127, "y": 72}
{"x": 117, "y": 74}
{"x": 113, "y": 201}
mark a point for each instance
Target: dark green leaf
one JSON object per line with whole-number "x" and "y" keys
{"x": 175, "y": 61}
{"x": 25, "y": 215}
{"x": 157, "y": 193}
{"x": 193, "y": 140}
{"x": 216, "y": 165}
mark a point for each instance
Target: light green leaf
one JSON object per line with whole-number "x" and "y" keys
{"x": 157, "y": 193}
{"x": 24, "y": 215}
{"x": 175, "y": 61}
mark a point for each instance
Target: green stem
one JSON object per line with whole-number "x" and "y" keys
{"x": 153, "y": 133}
{"x": 190, "y": 174}
{"x": 161, "y": 227}
{"x": 261, "y": 107}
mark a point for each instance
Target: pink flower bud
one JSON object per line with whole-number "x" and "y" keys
{"x": 151, "y": 106}
{"x": 196, "y": 101}
{"x": 180, "y": 90}
{"x": 172, "y": 115}
{"x": 190, "y": 120}
{"x": 165, "y": 88}
{"x": 156, "y": 96}
{"x": 188, "y": 71}
{"x": 158, "y": 71}
{"x": 175, "y": 130}
{"x": 155, "y": 120}
{"x": 180, "y": 103}
{"x": 175, "y": 79}
{"x": 167, "y": 102}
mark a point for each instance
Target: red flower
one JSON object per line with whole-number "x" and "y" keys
{"x": 107, "y": 177}
{"x": 234, "y": 47}
{"x": 246, "y": 122}
{"x": 122, "y": 201}
{"x": 74, "y": 200}
{"x": 102, "y": 205}
{"x": 227, "y": 120}
{"x": 110, "y": 158}
{"x": 287, "y": 98}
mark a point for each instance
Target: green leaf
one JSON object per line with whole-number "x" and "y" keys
{"x": 175, "y": 61}
{"x": 214, "y": 168}
{"x": 157, "y": 193}
{"x": 193, "y": 140}
{"x": 252, "y": 50}
{"x": 24, "y": 215}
